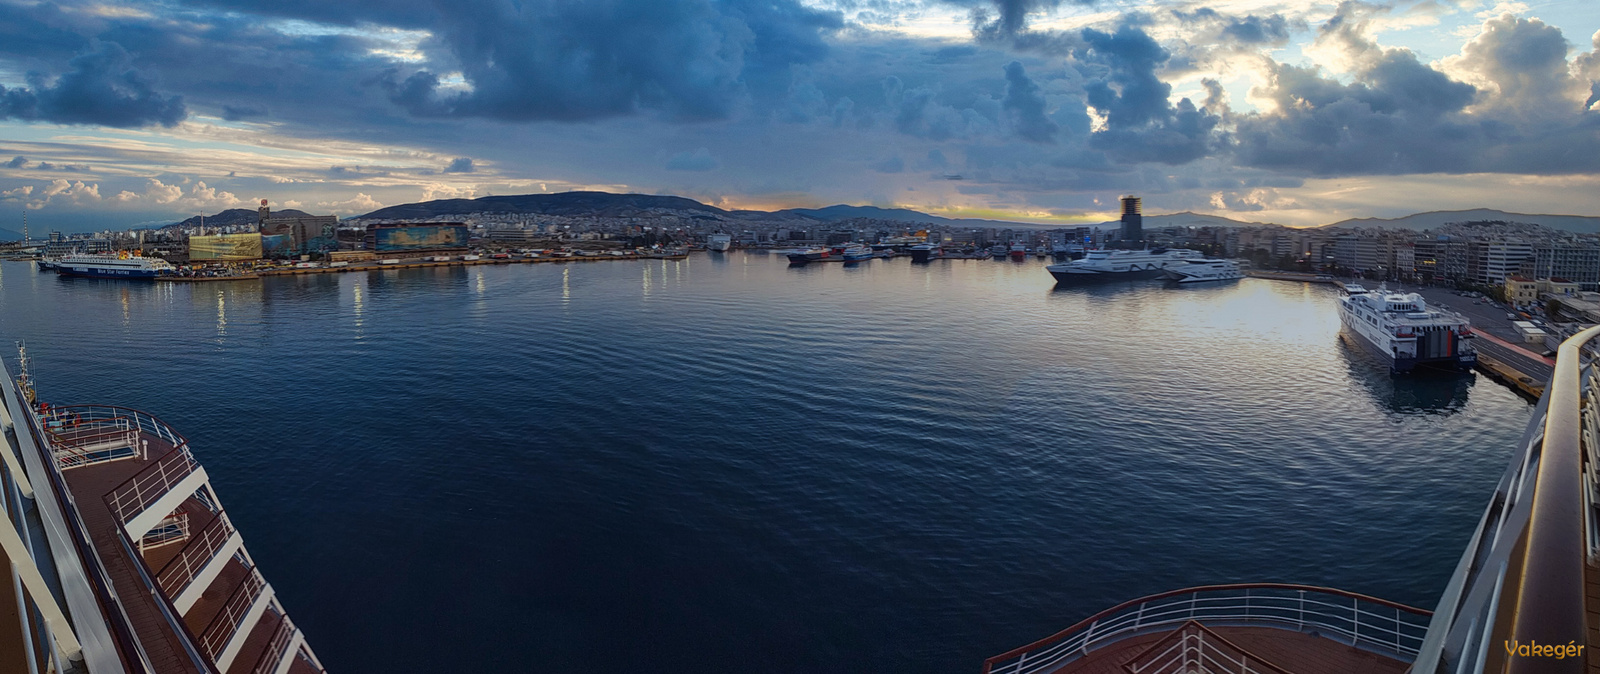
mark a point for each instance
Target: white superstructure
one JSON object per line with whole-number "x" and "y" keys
{"x": 1205, "y": 269}
{"x": 120, "y": 265}
{"x": 718, "y": 242}
{"x": 1403, "y": 329}
{"x": 1121, "y": 264}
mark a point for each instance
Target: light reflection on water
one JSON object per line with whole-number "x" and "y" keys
{"x": 746, "y": 466}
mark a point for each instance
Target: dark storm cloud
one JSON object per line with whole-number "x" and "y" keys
{"x": 1026, "y": 106}
{"x": 18, "y": 161}
{"x": 544, "y": 59}
{"x": 234, "y": 113}
{"x": 460, "y": 165}
{"x": 699, "y": 159}
{"x": 101, "y": 88}
{"x": 1122, "y": 82}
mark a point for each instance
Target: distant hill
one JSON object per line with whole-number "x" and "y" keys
{"x": 8, "y": 235}
{"x": 602, "y": 204}
{"x": 236, "y": 216}
{"x": 1434, "y": 219}
{"x": 606, "y": 204}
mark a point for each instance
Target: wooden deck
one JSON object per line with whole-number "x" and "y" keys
{"x": 162, "y": 644}
{"x": 1291, "y": 651}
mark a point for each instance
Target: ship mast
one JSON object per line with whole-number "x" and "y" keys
{"x": 24, "y": 382}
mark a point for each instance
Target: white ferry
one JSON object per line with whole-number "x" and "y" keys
{"x": 1196, "y": 271}
{"x": 120, "y": 265}
{"x": 1405, "y": 331}
{"x": 719, "y": 242}
{"x": 1106, "y": 265}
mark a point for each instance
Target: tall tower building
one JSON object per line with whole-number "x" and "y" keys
{"x": 263, "y": 213}
{"x": 1132, "y": 220}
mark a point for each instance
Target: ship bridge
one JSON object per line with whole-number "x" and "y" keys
{"x": 122, "y": 557}
{"x": 1524, "y": 598}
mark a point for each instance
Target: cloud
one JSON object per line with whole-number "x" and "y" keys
{"x": 554, "y": 60}
{"x": 234, "y": 113}
{"x": 360, "y": 203}
{"x": 18, "y": 161}
{"x": 1122, "y": 83}
{"x": 102, "y": 88}
{"x": 699, "y": 159}
{"x": 1025, "y": 106}
{"x": 891, "y": 165}
{"x": 460, "y": 165}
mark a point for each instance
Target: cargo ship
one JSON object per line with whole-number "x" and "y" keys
{"x": 124, "y": 556}
{"x": 120, "y": 265}
{"x": 1404, "y": 331}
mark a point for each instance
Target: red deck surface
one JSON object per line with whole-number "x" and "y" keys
{"x": 89, "y": 484}
{"x": 1288, "y": 650}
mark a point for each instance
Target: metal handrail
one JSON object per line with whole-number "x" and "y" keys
{"x": 136, "y": 493}
{"x": 1367, "y": 622}
{"x": 227, "y": 622}
{"x": 1194, "y": 647}
{"x": 146, "y": 422}
{"x": 1547, "y": 595}
{"x": 277, "y": 646}
{"x": 181, "y": 570}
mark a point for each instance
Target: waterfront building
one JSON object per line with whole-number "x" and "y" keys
{"x": 1576, "y": 263}
{"x": 1521, "y": 291}
{"x": 1490, "y": 262}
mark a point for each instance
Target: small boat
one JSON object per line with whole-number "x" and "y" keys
{"x": 998, "y": 252}
{"x": 1019, "y": 252}
{"x": 857, "y": 254}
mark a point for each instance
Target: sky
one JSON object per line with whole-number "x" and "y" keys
{"x": 1300, "y": 112}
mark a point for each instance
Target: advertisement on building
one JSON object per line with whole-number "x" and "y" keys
{"x": 304, "y": 234}
{"x": 225, "y": 247}
{"x": 422, "y": 237}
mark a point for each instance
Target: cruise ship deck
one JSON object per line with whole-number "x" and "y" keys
{"x": 136, "y": 565}
{"x": 1524, "y": 598}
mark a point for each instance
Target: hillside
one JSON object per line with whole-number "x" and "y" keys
{"x": 1432, "y": 219}
{"x": 602, "y": 204}
{"x": 236, "y": 216}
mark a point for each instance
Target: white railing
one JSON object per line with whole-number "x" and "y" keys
{"x": 173, "y": 529}
{"x": 181, "y": 570}
{"x": 76, "y": 442}
{"x": 277, "y": 647}
{"x": 1193, "y": 649}
{"x": 133, "y": 496}
{"x": 227, "y": 622}
{"x": 1383, "y": 627}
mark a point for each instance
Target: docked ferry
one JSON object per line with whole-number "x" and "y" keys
{"x": 1405, "y": 331}
{"x": 719, "y": 242}
{"x": 120, "y": 265}
{"x": 923, "y": 252}
{"x": 1106, "y": 265}
{"x": 1197, "y": 271}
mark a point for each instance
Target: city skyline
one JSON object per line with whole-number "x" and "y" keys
{"x": 1301, "y": 113}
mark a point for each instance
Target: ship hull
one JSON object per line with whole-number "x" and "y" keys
{"x": 921, "y": 255}
{"x": 98, "y": 272}
{"x": 1065, "y": 277}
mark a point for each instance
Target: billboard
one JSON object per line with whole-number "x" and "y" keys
{"x": 421, "y": 237}
{"x": 305, "y": 234}
{"x": 277, "y": 244}
{"x": 225, "y": 247}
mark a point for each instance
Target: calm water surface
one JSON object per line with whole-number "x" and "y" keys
{"x": 726, "y": 464}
